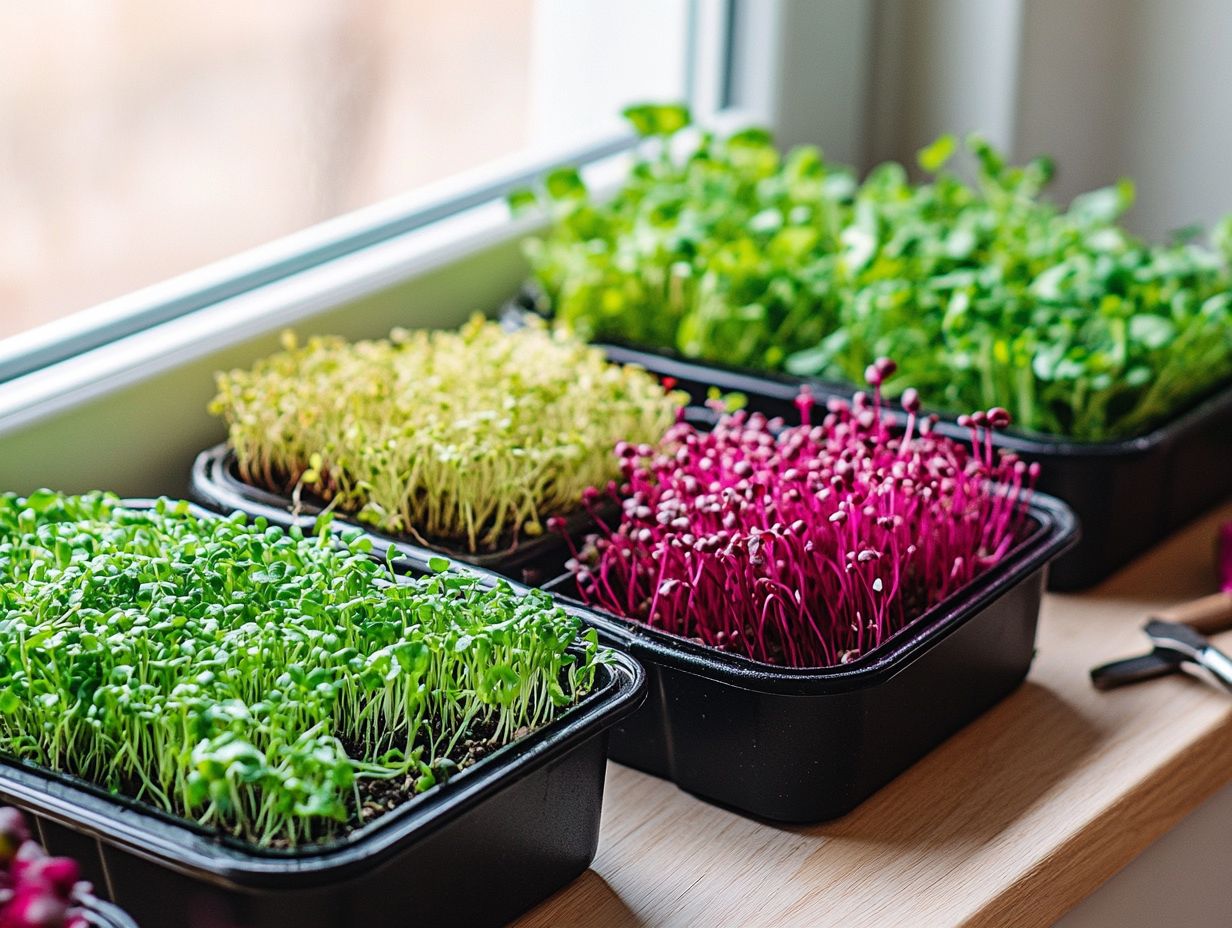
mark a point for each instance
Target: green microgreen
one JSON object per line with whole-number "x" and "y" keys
{"x": 470, "y": 438}
{"x": 257, "y": 681}
{"x": 986, "y": 293}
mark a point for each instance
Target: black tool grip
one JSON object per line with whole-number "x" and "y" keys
{"x": 1133, "y": 669}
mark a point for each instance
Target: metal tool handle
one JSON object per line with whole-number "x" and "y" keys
{"x": 1208, "y": 615}
{"x": 1219, "y": 664}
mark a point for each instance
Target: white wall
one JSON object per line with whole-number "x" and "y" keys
{"x": 941, "y": 66}
{"x": 589, "y": 60}
{"x": 1134, "y": 87}
{"x": 1110, "y": 88}
{"x": 803, "y": 67}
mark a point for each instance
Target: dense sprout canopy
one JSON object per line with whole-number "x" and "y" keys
{"x": 985, "y": 293}
{"x": 810, "y": 545}
{"x": 257, "y": 681}
{"x": 471, "y": 438}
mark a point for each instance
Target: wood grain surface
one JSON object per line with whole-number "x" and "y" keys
{"x": 1009, "y": 823}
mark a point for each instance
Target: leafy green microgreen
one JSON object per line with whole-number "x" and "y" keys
{"x": 986, "y": 293}
{"x": 520, "y": 200}
{"x": 256, "y": 680}
{"x": 564, "y": 184}
{"x": 470, "y": 439}
{"x": 729, "y": 402}
{"x": 933, "y": 157}
{"x": 657, "y": 119}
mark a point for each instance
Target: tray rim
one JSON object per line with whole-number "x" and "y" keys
{"x": 1057, "y": 531}
{"x": 178, "y": 844}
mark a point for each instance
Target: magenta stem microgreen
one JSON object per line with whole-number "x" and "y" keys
{"x": 805, "y": 546}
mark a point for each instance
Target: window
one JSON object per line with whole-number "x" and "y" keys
{"x": 140, "y": 139}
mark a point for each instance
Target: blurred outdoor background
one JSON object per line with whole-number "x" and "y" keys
{"x": 140, "y": 139}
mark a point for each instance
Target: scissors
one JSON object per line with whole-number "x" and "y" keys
{"x": 1178, "y": 635}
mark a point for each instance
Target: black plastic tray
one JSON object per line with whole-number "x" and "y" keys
{"x": 216, "y": 483}
{"x": 104, "y": 915}
{"x": 478, "y": 850}
{"x": 1128, "y": 494}
{"x": 806, "y": 745}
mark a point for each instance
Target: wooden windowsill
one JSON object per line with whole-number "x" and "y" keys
{"x": 1011, "y": 822}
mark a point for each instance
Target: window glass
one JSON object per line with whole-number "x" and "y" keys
{"x": 140, "y": 139}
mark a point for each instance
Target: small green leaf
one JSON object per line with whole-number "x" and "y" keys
{"x": 565, "y": 184}
{"x": 657, "y": 119}
{"x": 521, "y": 200}
{"x": 1104, "y": 205}
{"x": 991, "y": 162}
{"x": 932, "y": 158}
{"x": 752, "y": 137}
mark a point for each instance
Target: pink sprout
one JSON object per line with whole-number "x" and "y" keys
{"x": 36, "y": 891}
{"x": 1225, "y": 558}
{"x": 804, "y": 546}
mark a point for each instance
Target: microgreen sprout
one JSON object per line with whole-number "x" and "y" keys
{"x": 988, "y": 293}
{"x": 272, "y": 686}
{"x": 470, "y": 439}
{"x": 810, "y": 545}
{"x": 37, "y": 891}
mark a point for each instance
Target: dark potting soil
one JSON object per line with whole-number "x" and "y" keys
{"x": 381, "y": 796}
{"x": 378, "y": 797}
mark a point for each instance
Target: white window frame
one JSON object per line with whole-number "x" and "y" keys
{"x": 106, "y": 364}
